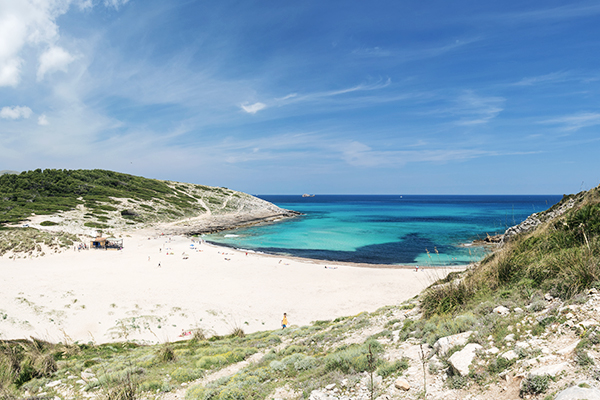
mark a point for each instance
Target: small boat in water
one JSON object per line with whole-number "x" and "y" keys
{"x": 308, "y": 195}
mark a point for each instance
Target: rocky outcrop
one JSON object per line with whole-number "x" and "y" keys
{"x": 536, "y": 219}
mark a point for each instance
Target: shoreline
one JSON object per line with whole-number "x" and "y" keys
{"x": 321, "y": 261}
{"x": 105, "y": 296}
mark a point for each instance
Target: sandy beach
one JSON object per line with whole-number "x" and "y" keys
{"x": 110, "y": 295}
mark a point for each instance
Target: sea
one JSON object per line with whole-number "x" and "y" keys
{"x": 424, "y": 230}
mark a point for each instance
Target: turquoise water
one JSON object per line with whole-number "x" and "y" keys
{"x": 408, "y": 230}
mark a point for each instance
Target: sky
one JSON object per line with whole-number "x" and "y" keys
{"x": 326, "y": 97}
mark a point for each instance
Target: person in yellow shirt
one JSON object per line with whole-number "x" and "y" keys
{"x": 284, "y": 321}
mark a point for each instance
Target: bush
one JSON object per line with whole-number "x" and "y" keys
{"x": 392, "y": 368}
{"x": 48, "y": 223}
{"x": 186, "y": 374}
{"x": 534, "y": 384}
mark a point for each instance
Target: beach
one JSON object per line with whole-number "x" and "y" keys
{"x": 158, "y": 287}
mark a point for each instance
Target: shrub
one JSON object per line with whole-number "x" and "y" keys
{"x": 186, "y": 374}
{"x": 392, "y": 368}
{"x": 534, "y": 384}
{"x": 48, "y": 223}
{"x": 165, "y": 354}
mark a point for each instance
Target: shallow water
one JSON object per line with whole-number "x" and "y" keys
{"x": 408, "y": 230}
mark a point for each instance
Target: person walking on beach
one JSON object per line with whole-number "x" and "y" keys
{"x": 284, "y": 321}
{"x": 417, "y": 269}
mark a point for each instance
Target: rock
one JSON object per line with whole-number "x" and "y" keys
{"x": 444, "y": 344}
{"x": 578, "y": 393}
{"x": 81, "y": 382}
{"x": 402, "y": 384}
{"x": 510, "y": 338}
{"x": 548, "y": 297}
{"x": 86, "y": 376}
{"x": 551, "y": 370}
{"x": 588, "y": 322}
{"x": 493, "y": 350}
{"x": 330, "y": 387}
{"x": 414, "y": 352}
{"x": 53, "y": 383}
{"x": 509, "y": 355}
{"x": 501, "y": 310}
{"x": 384, "y": 397}
{"x": 461, "y": 360}
{"x": 518, "y": 310}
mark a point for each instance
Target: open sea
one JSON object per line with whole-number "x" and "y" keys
{"x": 386, "y": 229}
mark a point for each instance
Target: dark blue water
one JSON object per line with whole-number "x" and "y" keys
{"x": 411, "y": 230}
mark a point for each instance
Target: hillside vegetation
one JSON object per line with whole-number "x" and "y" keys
{"x": 101, "y": 192}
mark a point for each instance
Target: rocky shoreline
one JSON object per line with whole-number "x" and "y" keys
{"x": 219, "y": 223}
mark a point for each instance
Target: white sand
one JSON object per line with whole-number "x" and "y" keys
{"x": 101, "y": 296}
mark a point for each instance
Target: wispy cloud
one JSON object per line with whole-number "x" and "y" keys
{"x": 296, "y": 97}
{"x": 371, "y": 52}
{"x": 469, "y": 108}
{"x": 576, "y": 121}
{"x": 557, "y": 13}
{"x": 361, "y": 155}
{"x": 547, "y": 78}
{"x": 16, "y": 112}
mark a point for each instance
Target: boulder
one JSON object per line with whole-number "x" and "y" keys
{"x": 579, "y": 393}
{"x": 402, "y": 384}
{"x": 444, "y": 344}
{"x": 461, "y": 360}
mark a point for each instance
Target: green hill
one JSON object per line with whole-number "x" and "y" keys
{"x": 104, "y": 195}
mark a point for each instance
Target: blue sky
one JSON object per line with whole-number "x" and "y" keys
{"x": 384, "y": 97}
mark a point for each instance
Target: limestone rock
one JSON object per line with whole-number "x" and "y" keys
{"x": 578, "y": 393}
{"x": 461, "y": 360}
{"x": 444, "y": 344}
{"x": 509, "y": 355}
{"x": 551, "y": 370}
{"x": 330, "y": 387}
{"x": 501, "y": 310}
{"x": 402, "y": 384}
{"x": 86, "y": 376}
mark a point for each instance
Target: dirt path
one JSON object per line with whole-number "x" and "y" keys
{"x": 227, "y": 371}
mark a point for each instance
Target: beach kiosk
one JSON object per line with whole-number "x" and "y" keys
{"x": 98, "y": 243}
{"x": 107, "y": 243}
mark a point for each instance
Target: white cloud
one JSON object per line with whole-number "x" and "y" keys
{"x": 52, "y": 60}
{"x": 32, "y": 24}
{"x": 42, "y": 120}
{"x": 253, "y": 108}
{"x": 10, "y": 71}
{"x": 15, "y": 112}
{"x": 115, "y": 3}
